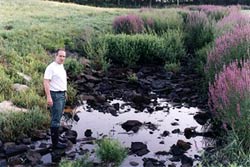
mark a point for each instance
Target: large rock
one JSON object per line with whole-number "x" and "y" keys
{"x": 133, "y": 125}
{"x": 139, "y": 148}
{"x": 9, "y": 106}
{"x": 19, "y": 87}
{"x": 26, "y": 77}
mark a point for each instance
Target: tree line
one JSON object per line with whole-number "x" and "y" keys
{"x": 154, "y": 3}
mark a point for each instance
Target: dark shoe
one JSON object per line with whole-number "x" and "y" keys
{"x": 55, "y": 139}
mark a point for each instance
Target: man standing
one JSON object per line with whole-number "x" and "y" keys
{"x": 55, "y": 85}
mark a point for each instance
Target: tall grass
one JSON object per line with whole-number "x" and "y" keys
{"x": 14, "y": 125}
{"x": 111, "y": 152}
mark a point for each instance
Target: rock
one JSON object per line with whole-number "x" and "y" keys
{"x": 159, "y": 84}
{"x": 165, "y": 133}
{"x": 162, "y": 153}
{"x": 151, "y": 162}
{"x": 15, "y": 160}
{"x": 176, "y": 131}
{"x": 26, "y": 141}
{"x": 133, "y": 163}
{"x": 140, "y": 99}
{"x": 12, "y": 149}
{"x": 189, "y": 132}
{"x": 71, "y": 135}
{"x": 133, "y": 125}
{"x": 19, "y": 87}
{"x": 184, "y": 145}
{"x": 26, "y": 77}
{"x": 112, "y": 111}
{"x": 116, "y": 106}
{"x": 186, "y": 161}
{"x": 91, "y": 78}
{"x": 39, "y": 135}
{"x": 33, "y": 157}
{"x": 202, "y": 118}
{"x": 139, "y": 148}
{"x": 8, "y": 106}
{"x": 88, "y": 133}
{"x": 176, "y": 151}
{"x": 174, "y": 124}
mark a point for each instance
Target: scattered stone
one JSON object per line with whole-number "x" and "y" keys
{"x": 165, "y": 133}
{"x": 174, "y": 124}
{"x": 20, "y": 87}
{"x": 176, "y": 131}
{"x": 184, "y": 145}
{"x": 133, "y": 163}
{"x": 33, "y": 157}
{"x": 162, "y": 153}
{"x": 88, "y": 133}
{"x": 139, "y": 148}
{"x": 26, "y": 77}
{"x": 133, "y": 125}
{"x": 9, "y": 106}
{"x": 202, "y": 118}
{"x": 151, "y": 162}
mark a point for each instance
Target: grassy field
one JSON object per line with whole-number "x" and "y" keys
{"x": 30, "y": 30}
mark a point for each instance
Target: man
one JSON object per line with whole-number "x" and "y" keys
{"x": 55, "y": 85}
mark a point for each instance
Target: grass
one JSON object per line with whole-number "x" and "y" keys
{"x": 30, "y": 31}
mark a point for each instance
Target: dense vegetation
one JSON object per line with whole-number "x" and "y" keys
{"x": 213, "y": 40}
{"x": 158, "y": 3}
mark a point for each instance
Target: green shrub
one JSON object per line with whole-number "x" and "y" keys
{"x": 17, "y": 124}
{"x": 160, "y": 21}
{"x": 83, "y": 162}
{"x": 174, "y": 46}
{"x": 71, "y": 95}
{"x": 28, "y": 99}
{"x": 96, "y": 51}
{"x": 111, "y": 152}
{"x": 73, "y": 67}
{"x": 129, "y": 50}
{"x": 132, "y": 78}
{"x": 173, "y": 67}
{"x": 6, "y": 84}
{"x": 199, "y": 31}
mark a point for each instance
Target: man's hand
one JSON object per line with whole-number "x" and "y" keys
{"x": 49, "y": 101}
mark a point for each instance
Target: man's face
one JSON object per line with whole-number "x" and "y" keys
{"x": 60, "y": 57}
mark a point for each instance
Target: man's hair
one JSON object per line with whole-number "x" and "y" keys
{"x": 60, "y": 49}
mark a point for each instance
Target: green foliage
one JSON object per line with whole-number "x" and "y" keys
{"x": 96, "y": 51}
{"x": 28, "y": 99}
{"x": 174, "y": 46}
{"x": 73, "y": 67}
{"x": 132, "y": 78}
{"x": 110, "y": 151}
{"x": 199, "y": 31}
{"x": 232, "y": 154}
{"x": 16, "y": 124}
{"x": 173, "y": 67}
{"x": 6, "y": 84}
{"x": 71, "y": 94}
{"x": 83, "y": 162}
{"x": 130, "y": 50}
{"x": 161, "y": 20}
{"x": 199, "y": 59}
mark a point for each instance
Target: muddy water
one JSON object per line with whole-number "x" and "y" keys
{"x": 168, "y": 118}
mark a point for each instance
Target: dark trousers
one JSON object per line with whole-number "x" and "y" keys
{"x": 56, "y": 110}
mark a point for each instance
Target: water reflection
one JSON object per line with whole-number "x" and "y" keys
{"x": 168, "y": 118}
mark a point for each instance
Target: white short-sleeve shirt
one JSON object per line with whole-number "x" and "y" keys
{"x": 57, "y": 75}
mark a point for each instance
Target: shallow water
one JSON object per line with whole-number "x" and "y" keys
{"x": 105, "y": 124}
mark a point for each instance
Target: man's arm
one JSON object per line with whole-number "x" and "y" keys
{"x": 47, "y": 91}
